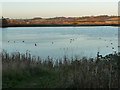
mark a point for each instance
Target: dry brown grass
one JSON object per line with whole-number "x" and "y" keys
{"x": 74, "y": 73}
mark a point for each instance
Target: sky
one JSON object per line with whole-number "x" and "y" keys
{"x": 52, "y": 8}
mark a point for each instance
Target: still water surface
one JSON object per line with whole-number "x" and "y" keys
{"x": 59, "y": 41}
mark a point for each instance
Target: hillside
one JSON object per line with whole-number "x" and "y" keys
{"x": 102, "y": 19}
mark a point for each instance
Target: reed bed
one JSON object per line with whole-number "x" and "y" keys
{"x": 27, "y": 71}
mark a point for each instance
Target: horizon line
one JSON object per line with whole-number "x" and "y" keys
{"x": 57, "y": 16}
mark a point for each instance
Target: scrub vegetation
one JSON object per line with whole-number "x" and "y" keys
{"x": 27, "y": 71}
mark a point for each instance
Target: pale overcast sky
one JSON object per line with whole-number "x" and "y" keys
{"x": 20, "y": 9}
{"x": 59, "y": 0}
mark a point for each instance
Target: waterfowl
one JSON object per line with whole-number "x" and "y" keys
{"x": 112, "y": 47}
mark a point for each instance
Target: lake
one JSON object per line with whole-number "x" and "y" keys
{"x": 59, "y": 41}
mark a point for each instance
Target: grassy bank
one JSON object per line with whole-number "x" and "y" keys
{"x": 26, "y": 71}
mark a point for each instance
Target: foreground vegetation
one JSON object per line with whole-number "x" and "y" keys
{"x": 26, "y": 71}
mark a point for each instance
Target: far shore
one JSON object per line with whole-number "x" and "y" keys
{"x": 56, "y": 25}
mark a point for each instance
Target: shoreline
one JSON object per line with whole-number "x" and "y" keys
{"x": 56, "y": 25}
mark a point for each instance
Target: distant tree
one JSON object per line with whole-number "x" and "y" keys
{"x": 4, "y": 21}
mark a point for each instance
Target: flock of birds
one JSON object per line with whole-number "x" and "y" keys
{"x": 111, "y": 44}
{"x": 24, "y": 41}
{"x": 73, "y": 39}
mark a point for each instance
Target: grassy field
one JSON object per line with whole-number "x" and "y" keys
{"x": 26, "y": 71}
